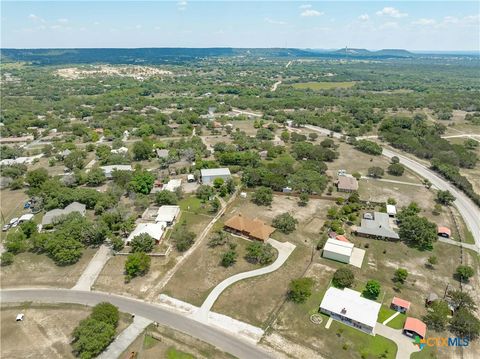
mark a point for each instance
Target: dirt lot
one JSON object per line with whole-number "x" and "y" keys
{"x": 37, "y": 270}
{"x": 47, "y": 327}
{"x": 162, "y": 342}
{"x": 245, "y": 125}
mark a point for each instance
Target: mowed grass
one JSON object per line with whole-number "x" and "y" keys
{"x": 385, "y": 313}
{"x": 173, "y": 353}
{"x": 323, "y": 85}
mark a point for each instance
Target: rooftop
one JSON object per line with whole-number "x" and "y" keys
{"x": 50, "y": 216}
{"x": 350, "y": 304}
{"x": 445, "y": 230}
{"x": 167, "y": 213}
{"x": 378, "y": 226}
{"x": 154, "y": 230}
{"x": 215, "y": 172}
{"x": 253, "y": 227}
{"x": 399, "y": 302}
{"x": 347, "y": 183}
{"x": 415, "y": 325}
{"x": 334, "y": 245}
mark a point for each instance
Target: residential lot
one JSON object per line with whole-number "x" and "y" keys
{"x": 37, "y": 270}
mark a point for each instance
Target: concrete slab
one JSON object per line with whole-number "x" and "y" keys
{"x": 94, "y": 268}
{"x": 356, "y": 259}
{"x": 329, "y": 322}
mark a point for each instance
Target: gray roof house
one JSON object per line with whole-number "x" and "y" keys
{"x": 378, "y": 227}
{"x": 52, "y": 215}
{"x": 208, "y": 175}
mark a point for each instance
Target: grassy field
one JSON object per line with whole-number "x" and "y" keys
{"x": 37, "y": 270}
{"x": 12, "y": 204}
{"x": 323, "y": 85}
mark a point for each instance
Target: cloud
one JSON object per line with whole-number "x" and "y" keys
{"x": 310, "y": 13}
{"x": 34, "y": 17}
{"x": 364, "y": 17}
{"x": 276, "y": 22}
{"x": 392, "y": 12}
{"x": 138, "y": 26}
{"x": 63, "y": 21}
{"x": 306, "y": 6}
{"x": 182, "y": 5}
{"x": 424, "y": 22}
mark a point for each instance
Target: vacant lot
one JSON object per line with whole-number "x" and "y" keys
{"x": 323, "y": 85}
{"x": 37, "y": 270}
{"x": 12, "y": 204}
{"x": 162, "y": 342}
{"x": 244, "y": 125}
{"x": 44, "y": 333}
{"x": 193, "y": 286}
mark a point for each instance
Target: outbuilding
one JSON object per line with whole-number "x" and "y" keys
{"x": 338, "y": 250}
{"x": 208, "y": 175}
{"x": 391, "y": 210}
{"x": 444, "y": 232}
{"x": 154, "y": 230}
{"x": 167, "y": 214}
{"x": 414, "y": 327}
{"x": 400, "y": 305}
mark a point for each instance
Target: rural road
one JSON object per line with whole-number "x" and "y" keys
{"x": 284, "y": 251}
{"x": 226, "y": 342}
{"x": 275, "y": 85}
{"x": 469, "y": 211}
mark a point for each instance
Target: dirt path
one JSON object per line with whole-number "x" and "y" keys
{"x": 275, "y": 85}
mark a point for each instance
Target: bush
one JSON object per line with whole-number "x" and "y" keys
{"x": 372, "y": 289}
{"x": 142, "y": 243}
{"x": 260, "y": 253}
{"x": 300, "y": 290}
{"x": 229, "y": 258}
{"x": 29, "y": 228}
{"x": 445, "y": 197}
{"x": 464, "y": 273}
{"x": 396, "y": 169}
{"x": 91, "y": 337}
{"x": 118, "y": 244}
{"x": 166, "y": 198}
{"x": 343, "y": 277}
{"x": 375, "y": 172}
{"x": 285, "y": 223}
{"x": 368, "y": 147}
{"x": 400, "y": 275}
{"x": 137, "y": 264}
{"x": 6, "y": 259}
{"x": 183, "y": 239}
{"x": 16, "y": 242}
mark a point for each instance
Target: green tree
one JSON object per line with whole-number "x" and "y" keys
{"x": 64, "y": 250}
{"x": 37, "y": 177}
{"x": 142, "y": 243}
{"x": 300, "y": 290}
{"x": 142, "y": 150}
{"x": 230, "y": 185}
{"x": 118, "y": 244}
{"x": 312, "y": 136}
{"x": 418, "y": 231}
{"x": 218, "y": 182}
{"x": 372, "y": 289}
{"x": 400, "y": 275}
{"x": 204, "y": 192}
{"x": 396, "y": 169}
{"x": 260, "y": 253}
{"x": 368, "y": 147}
{"x": 218, "y": 239}
{"x": 432, "y": 261}
{"x": 464, "y": 272}
{"x": 106, "y": 312}
{"x": 166, "y": 198}
{"x": 395, "y": 160}
{"x": 303, "y": 199}
{"x": 465, "y": 324}
{"x": 375, "y": 172}
{"x": 183, "y": 238}
{"x": 263, "y": 196}
{"x": 76, "y": 159}
{"x": 459, "y": 299}
{"x": 445, "y": 197}
{"x": 96, "y": 177}
{"x": 91, "y": 337}
{"x": 29, "y": 228}
{"x": 142, "y": 182}
{"x": 215, "y": 205}
{"x": 137, "y": 264}
{"x": 285, "y": 223}
{"x": 16, "y": 242}
{"x": 229, "y": 258}
{"x": 437, "y": 317}
{"x": 343, "y": 277}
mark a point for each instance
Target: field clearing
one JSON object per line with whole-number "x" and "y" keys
{"x": 12, "y": 203}
{"x": 244, "y": 125}
{"x": 37, "y": 270}
{"x": 323, "y": 85}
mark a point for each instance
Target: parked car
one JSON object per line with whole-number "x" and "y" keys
{"x": 20, "y": 317}
{"x": 6, "y": 227}
{"x": 13, "y": 222}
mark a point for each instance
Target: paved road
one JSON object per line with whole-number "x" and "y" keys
{"x": 94, "y": 268}
{"x": 405, "y": 346}
{"x": 230, "y": 344}
{"x": 127, "y": 337}
{"x": 469, "y": 211}
{"x": 284, "y": 251}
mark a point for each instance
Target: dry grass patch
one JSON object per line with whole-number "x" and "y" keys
{"x": 37, "y": 270}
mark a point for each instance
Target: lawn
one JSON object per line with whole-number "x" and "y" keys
{"x": 173, "y": 353}
{"x": 395, "y": 323}
{"x": 193, "y": 204}
{"x": 323, "y": 85}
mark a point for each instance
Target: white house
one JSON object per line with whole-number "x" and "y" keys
{"x": 349, "y": 307}
{"x": 172, "y": 185}
{"x": 167, "y": 214}
{"x": 154, "y": 230}
{"x": 208, "y": 175}
{"x": 338, "y": 250}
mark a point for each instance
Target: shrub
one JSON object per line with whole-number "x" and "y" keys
{"x": 6, "y": 259}
{"x": 260, "y": 253}
{"x": 263, "y": 196}
{"x": 285, "y": 223}
{"x": 229, "y": 258}
{"x": 464, "y": 273}
{"x": 372, "y": 289}
{"x": 137, "y": 264}
{"x": 300, "y": 289}
{"x": 343, "y": 277}
{"x": 142, "y": 243}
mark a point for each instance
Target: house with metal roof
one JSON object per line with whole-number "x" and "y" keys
{"x": 376, "y": 227}
{"x": 208, "y": 175}
{"x": 51, "y": 216}
{"x": 350, "y": 308}
{"x": 108, "y": 170}
{"x": 337, "y": 250}
{"x": 154, "y": 230}
{"x": 167, "y": 214}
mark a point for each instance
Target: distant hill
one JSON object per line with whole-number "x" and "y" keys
{"x": 182, "y": 55}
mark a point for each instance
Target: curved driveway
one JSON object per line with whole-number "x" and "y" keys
{"x": 469, "y": 211}
{"x": 284, "y": 251}
{"x": 176, "y": 321}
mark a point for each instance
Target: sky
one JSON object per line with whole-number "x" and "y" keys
{"x": 412, "y": 25}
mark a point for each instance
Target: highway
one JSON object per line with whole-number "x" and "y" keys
{"x": 468, "y": 210}
{"x": 176, "y": 321}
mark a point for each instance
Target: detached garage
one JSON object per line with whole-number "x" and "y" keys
{"x": 208, "y": 175}
{"x": 338, "y": 250}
